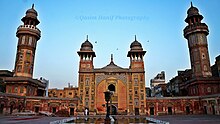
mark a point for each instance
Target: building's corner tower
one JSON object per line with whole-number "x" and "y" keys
{"x": 136, "y": 55}
{"x": 196, "y": 34}
{"x": 136, "y": 87}
{"x": 86, "y": 81}
{"x": 28, "y": 35}
{"x": 86, "y": 55}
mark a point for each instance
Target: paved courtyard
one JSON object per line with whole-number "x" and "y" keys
{"x": 172, "y": 119}
{"x": 28, "y": 119}
{"x": 190, "y": 119}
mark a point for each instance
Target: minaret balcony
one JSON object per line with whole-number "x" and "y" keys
{"x": 25, "y": 29}
{"x": 197, "y": 27}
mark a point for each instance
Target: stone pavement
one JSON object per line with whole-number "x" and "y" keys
{"x": 172, "y": 119}
{"x": 28, "y": 119}
{"x": 190, "y": 119}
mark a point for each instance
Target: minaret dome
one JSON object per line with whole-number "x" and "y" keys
{"x": 86, "y": 46}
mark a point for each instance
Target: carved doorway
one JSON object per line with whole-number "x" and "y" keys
{"x": 151, "y": 110}
{"x": 136, "y": 111}
{"x": 169, "y": 110}
{"x": 205, "y": 110}
{"x": 36, "y": 109}
{"x": 1, "y": 108}
{"x": 213, "y": 109}
{"x": 11, "y": 109}
{"x": 54, "y": 109}
{"x": 187, "y": 110}
{"x": 71, "y": 111}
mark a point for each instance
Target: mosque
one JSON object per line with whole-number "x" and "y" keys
{"x": 20, "y": 92}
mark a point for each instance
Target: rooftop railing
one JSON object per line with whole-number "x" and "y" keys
{"x": 29, "y": 27}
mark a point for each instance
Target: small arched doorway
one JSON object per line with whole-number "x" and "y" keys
{"x": 71, "y": 110}
{"x": 53, "y": 107}
{"x": 205, "y": 110}
{"x": 12, "y": 105}
{"x": 1, "y": 108}
{"x": 11, "y": 108}
{"x": 152, "y": 110}
{"x": 169, "y": 110}
{"x": 187, "y": 110}
{"x": 37, "y": 107}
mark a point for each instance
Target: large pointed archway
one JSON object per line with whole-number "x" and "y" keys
{"x": 119, "y": 101}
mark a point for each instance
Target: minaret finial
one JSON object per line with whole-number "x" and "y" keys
{"x": 32, "y": 6}
{"x": 191, "y": 4}
{"x": 135, "y": 38}
{"x": 111, "y": 57}
{"x": 87, "y": 37}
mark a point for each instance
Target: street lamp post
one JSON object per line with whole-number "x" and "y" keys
{"x": 112, "y": 92}
{"x": 107, "y": 99}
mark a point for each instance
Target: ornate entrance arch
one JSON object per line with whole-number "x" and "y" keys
{"x": 119, "y": 98}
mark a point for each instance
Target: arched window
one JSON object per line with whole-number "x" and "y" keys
{"x": 9, "y": 89}
{"x": 130, "y": 97}
{"x": 136, "y": 92}
{"x": 111, "y": 87}
{"x": 26, "y": 67}
{"x": 23, "y": 40}
{"x": 21, "y": 89}
{"x": 19, "y": 68}
{"x": 15, "y": 89}
{"x": 205, "y": 68}
{"x": 87, "y": 81}
{"x": 31, "y": 23}
{"x": 30, "y": 41}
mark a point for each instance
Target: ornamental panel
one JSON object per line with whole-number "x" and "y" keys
{"x": 121, "y": 77}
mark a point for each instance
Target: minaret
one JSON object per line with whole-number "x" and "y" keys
{"x": 86, "y": 54}
{"x": 136, "y": 55}
{"x": 196, "y": 34}
{"x": 28, "y": 35}
{"x": 86, "y": 76}
{"x": 137, "y": 77}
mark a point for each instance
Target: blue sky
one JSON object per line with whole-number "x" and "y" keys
{"x": 112, "y": 24}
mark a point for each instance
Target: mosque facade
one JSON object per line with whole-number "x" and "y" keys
{"x": 126, "y": 84}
